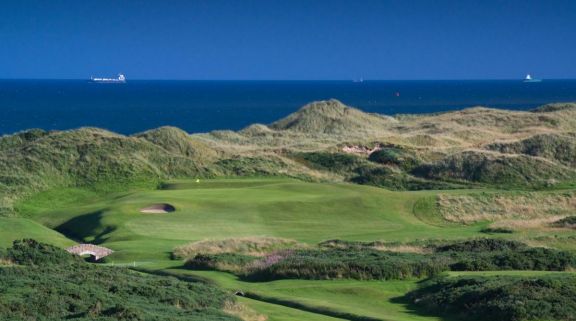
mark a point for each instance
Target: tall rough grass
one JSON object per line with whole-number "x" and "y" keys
{"x": 254, "y": 246}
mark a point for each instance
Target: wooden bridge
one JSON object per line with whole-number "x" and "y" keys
{"x": 96, "y": 251}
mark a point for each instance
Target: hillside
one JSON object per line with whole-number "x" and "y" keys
{"x": 474, "y": 146}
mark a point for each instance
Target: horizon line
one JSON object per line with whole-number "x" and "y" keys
{"x": 356, "y": 80}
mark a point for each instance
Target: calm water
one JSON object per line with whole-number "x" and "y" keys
{"x": 201, "y": 106}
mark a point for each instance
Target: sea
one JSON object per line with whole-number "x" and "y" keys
{"x": 203, "y": 106}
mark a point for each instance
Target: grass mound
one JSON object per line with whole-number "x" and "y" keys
{"x": 499, "y": 298}
{"x": 500, "y": 170}
{"x": 93, "y": 158}
{"x": 554, "y": 147}
{"x": 332, "y": 117}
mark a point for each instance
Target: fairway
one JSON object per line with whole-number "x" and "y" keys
{"x": 216, "y": 209}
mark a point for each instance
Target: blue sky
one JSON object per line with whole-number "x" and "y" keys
{"x": 287, "y": 39}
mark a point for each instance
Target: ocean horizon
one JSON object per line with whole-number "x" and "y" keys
{"x": 205, "y": 105}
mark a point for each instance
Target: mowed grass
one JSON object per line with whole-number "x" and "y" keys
{"x": 225, "y": 208}
{"x": 380, "y": 300}
{"x": 13, "y": 228}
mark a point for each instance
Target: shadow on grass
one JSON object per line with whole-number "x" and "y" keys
{"x": 417, "y": 310}
{"x": 267, "y": 299}
{"x": 86, "y": 228}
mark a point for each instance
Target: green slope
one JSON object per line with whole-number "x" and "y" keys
{"x": 17, "y": 228}
{"x": 307, "y": 212}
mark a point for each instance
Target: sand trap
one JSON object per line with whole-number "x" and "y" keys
{"x": 158, "y": 208}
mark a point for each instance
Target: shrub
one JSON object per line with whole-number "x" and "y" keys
{"x": 31, "y": 252}
{"x": 396, "y": 157}
{"x": 496, "y": 230}
{"x": 499, "y": 298}
{"x": 53, "y": 289}
{"x": 480, "y": 245}
{"x": 229, "y": 262}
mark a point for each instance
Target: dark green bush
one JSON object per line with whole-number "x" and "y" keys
{"x": 230, "y": 262}
{"x": 395, "y": 156}
{"x": 480, "y": 245}
{"x": 499, "y": 298}
{"x": 353, "y": 264}
{"x": 334, "y": 162}
{"x": 31, "y": 252}
{"x": 52, "y": 289}
{"x": 496, "y": 230}
{"x": 357, "y": 260}
{"x": 532, "y": 259}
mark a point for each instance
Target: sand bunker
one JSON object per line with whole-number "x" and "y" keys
{"x": 158, "y": 208}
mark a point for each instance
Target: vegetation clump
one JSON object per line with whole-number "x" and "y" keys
{"x": 499, "y": 298}
{"x": 551, "y": 146}
{"x": 481, "y": 245}
{"x": 31, "y": 252}
{"x": 363, "y": 262}
{"x": 569, "y": 222}
{"x": 395, "y": 156}
{"x": 47, "y": 287}
{"x": 497, "y": 230}
{"x": 500, "y": 170}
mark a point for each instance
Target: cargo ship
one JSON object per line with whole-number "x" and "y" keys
{"x": 120, "y": 79}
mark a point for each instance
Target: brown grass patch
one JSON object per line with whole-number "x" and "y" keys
{"x": 243, "y": 312}
{"x": 256, "y": 246}
{"x": 528, "y": 206}
{"x": 537, "y": 223}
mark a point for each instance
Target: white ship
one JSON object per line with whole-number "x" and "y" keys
{"x": 530, "y": 79}
{"x": 120, "y": 79}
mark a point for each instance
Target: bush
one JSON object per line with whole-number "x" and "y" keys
{"x": 496, "y": 230}
{"x": 229, "y": 262}
{"x": 351, "y": 264}
{"x": 334, "y": 162}
{"x": 52, "y": 289}
{"x": 362, "y": 264}
{"x": 499, "y": 298}
{"x": 481, "y": 245}
{"x": 357, "y": 260}
{"x": 533, "y": 259}
{"x": 31, "y": 252}
{"x": 396, "y": 157}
